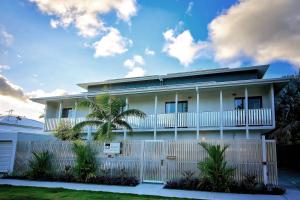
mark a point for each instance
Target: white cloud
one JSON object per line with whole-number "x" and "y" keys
{"x": 136, "y": 61}
{"x": 28, "y": 108}
{"x": 4, "y": 67}
{"x": 9, "y": 89}
{"x": 111, "y": 44}
{"x": 5, "y": 37}
{"x": 182, "y": 46}
{"x": 42, "y": 93}
{"x": 264, "y": 33}
{"x": 136, "y": 72}
{"x": 13, "y": 97}
{"x": 135, "y": 66}
{"x": 149, "y": 52}
{"x": 189, "y": 8}
{"x": 85, "y": 15}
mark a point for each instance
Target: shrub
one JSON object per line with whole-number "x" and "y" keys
{"x": 86, "y": 165}
{"x": 64, "y": 131}
{"x": 214, "y": 168}
{"x": 40, "y": 165}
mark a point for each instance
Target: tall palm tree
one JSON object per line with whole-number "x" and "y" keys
{"x": 107, "y": 113}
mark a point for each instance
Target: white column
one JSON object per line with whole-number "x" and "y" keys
{"x": 198, "y": 113}
{"x": 176, "y": 115}
{"x": 247, "y": 113}
{"x": 155, "y": 117}
{"x": 126, "y": 108}
{"x": 221, "y": 114}
{"x": 264, "y": 160}
{"x": 89, "y": 131}
{"x": 60, "y": 109}
{"x": 273, "y": 106}
{"x": 75, "y": 110}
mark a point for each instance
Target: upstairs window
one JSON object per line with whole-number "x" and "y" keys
{"x": 66, "y": 112}
{"x": 182, "y": 106}
{"x": 253, "y": 102}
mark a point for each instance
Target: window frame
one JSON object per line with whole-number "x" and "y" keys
{"x": 249, "y": 98}
{"x": 173, "y": 102}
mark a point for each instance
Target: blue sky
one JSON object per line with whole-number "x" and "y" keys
{"x": 36, "y": 56}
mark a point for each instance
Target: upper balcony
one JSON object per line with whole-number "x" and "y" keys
{"x": 234, "y": 107}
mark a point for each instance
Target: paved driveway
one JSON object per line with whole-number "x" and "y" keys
{"x": 289, "y": 179}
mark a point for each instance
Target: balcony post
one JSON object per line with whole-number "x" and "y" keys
{"x": 221, "y": 114}
{"x": 89, "y": 131}
{"x": 155, "y": 117}
{"x": 273, "y": 106}
{"x": 176, "y": 116}
{"x": 126, "y": 108}
{"x": 60, "y": 109}
{"x": 246, "y": 113}
{"x": 198, "y": 114}
{"x": 75, "y": 110}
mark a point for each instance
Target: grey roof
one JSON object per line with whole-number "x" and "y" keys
{"x": 261, "y": 70}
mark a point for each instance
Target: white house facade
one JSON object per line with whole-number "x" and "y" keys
{"x": 220, "y": 103}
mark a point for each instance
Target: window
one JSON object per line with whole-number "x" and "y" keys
{"x": 253, "y": 102}
{"x": 66, "y": 112}
{"x": 181, "y": 107}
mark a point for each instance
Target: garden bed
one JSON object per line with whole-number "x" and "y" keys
{"x": 102, "y": 180}
{"x": 247, "y": 186}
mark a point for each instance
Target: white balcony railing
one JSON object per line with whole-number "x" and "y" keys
{"x": 231, "y": 118}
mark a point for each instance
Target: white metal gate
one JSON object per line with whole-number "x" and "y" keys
{"x": 153, "y": 161}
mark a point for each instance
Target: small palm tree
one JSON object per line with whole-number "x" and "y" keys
{"x": 214, "y": 168}
{"x": 107, "y": 113}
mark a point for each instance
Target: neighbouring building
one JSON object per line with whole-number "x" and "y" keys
{"x": 229, "y": 103}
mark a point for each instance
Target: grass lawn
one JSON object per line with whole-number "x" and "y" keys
{"x": 34, "y": 193}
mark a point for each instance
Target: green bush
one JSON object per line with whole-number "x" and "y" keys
{"x": 86, "y": 165}
{"x": 214, "y": 168}
{"x": 40, "y": 165}
{"x": 64, "y": 131}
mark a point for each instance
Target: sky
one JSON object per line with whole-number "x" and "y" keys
{"x": 47, "y": 47}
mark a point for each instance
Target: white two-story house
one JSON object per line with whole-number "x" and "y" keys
{"x": 220, "y": 103}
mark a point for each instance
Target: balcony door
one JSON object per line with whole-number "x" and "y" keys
{"x": 182, "y": 108}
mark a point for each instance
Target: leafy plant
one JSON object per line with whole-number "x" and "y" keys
{"x": 248, "y": 183}
{"x": 86, "y": 165}
{"x": 107, "y": 114}
{"x": 40, "y": 165}
{"x": 64, "y": 131}
{"x": 214, "y": 168}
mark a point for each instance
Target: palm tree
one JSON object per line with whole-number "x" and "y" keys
{"x": 107, "y": 113}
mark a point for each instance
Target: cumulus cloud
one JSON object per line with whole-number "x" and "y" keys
{"x": 136, "y": 72}
{"x": 111, "y": 44}
{"x": 135, "y": 66}
{"x": 264, "y": 33}
{"x": 42, "y": 93}
{"x": 13, "y": 97}
{"x": 182, "y": 46}
{"x": 9, "y": 89}
{"x": 85, "y": 15}
{"x": 5, "y": 37}
{"x": 149, "y": 52}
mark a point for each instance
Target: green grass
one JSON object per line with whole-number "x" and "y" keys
{"x": 35, "y": 193}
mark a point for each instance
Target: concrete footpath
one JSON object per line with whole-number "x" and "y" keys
{"x": 152, "y": 189}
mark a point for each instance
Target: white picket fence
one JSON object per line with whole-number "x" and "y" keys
{"x": 159, "y": 161}
{"x": 231, "y": 118}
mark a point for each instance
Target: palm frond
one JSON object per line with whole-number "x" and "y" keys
{"x": 132, "y": 112}
{"x": 80, "y": 125}
{"x": 123, "y": 124}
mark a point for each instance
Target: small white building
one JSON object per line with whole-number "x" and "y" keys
{"x": 13, "y": 129}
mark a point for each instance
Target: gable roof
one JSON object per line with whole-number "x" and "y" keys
{"x": 261, "y": 70}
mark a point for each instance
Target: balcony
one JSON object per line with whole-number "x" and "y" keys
{"x": 211, "y": 119}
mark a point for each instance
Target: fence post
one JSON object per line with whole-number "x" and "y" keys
{"x": 264, "y": 160}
